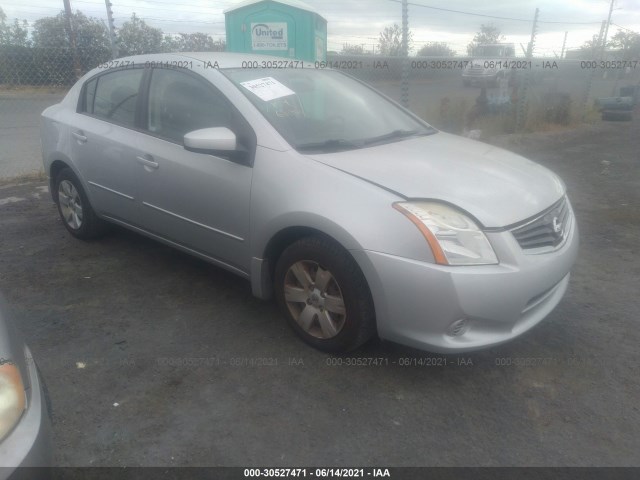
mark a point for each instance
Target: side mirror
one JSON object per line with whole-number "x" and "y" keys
{"x": 218, "y": 141}
{"x": 210, "y": 140}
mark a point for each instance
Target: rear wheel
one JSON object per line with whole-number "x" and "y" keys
{"x": 74, "y": 208}
{"x": 324, "y": 295}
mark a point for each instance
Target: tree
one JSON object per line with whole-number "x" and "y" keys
{"x": 53, "y": 55}
{"x": 91, "y": 33}
{"x": 199, "y": 42}
{"x": 15, "y": 34}
{"x": 628, "y": 43}
{"x": 196, "y": 42}
{"x": 590, "y": 48}
{"x": 136, "y": 38}
{"x": 487, "y": 35}
{"x": 350, "y": 49}
{"x": 4, "y": 34}
{"x": 16, "y": 61}
{"x": 436, "y": 49}
{"x": 170, "y": 43}
{"x": 19, "y": 33}
{"x": 192, "y": 42}
{"x": 390, "y": 42}
{"x": 219, "y": 45}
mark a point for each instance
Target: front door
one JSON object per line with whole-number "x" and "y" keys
{"x": 197, "y": 200}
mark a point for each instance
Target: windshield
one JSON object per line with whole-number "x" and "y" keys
{"x": 493, "y": 51}
{"x": 324, "y": 110}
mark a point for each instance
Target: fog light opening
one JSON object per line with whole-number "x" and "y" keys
{"x": 458, "y": 328}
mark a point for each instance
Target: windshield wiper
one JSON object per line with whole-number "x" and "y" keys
{"x": 393, "y": 135}
{"x": 331, "y": 145}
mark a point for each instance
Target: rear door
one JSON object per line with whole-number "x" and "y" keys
{"x": 198, "y": 200}
{"x": 104, "y": 139}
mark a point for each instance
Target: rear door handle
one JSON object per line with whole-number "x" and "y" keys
{"x": 80, "y": 136}
{"x": 147, "y": 162}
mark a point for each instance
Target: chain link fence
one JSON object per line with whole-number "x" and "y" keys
{"x": 32, "y": 79}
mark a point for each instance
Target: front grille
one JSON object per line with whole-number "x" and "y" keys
{"x": 548, "y": 230}
{"x": 475, "y": 70}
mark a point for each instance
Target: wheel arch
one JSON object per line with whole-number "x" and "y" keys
{"x": 55, "y": 167}
{"x": 263, "y": 265}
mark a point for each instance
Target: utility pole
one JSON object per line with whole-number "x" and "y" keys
{"x": 599, "y": 48}
{"x": 534, "y": 30}
{"x": 72, "y": 38}
{"x": 597, "y": 55}
{"x": 405, "y": 54}
{"x": 564, "y": 44}
{"x": 523, "y": 90}
{"x": 606, "y": 30}
{"x": 112, "y": 31}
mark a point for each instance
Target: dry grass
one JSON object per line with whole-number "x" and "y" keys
{"x": 452, "y": 117}
{"x": 30, "y": 89}
{"x": 31, "y": 177}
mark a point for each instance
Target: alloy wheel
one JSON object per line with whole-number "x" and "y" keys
{"x": 314, "y": 299}
{"x": 70, "y": 204}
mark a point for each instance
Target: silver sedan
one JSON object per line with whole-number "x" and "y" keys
{"x": 359, "y": 217}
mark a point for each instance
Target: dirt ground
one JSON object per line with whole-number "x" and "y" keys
{"x": 155, "y": 358}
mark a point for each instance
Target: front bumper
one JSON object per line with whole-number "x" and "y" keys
{"x": 417, "y": 303}
{"x": 479, "y": 77}
{"x": 29, "y": 443}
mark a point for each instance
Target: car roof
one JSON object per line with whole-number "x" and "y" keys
{"x": 223, "y": 59}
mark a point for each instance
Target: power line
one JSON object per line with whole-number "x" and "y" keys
{"x": 624, "y": 28}
{"x": 135, "y": 7}
{"x": 170, "y": 3}
{"x": 528, "y": 20}
{"x": 168, "y": 20}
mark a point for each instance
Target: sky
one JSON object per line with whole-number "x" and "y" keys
{"x": 361, "y": 21}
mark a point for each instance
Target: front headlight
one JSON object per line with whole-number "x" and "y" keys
{"x": 12, "y": 397}
{"x": 454, "y": 238}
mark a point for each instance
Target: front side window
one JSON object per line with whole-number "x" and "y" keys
{"x": 113, "y": 96}
{"x": 180, "y": 103}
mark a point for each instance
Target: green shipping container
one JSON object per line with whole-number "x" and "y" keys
{"x": 284, "y": 28}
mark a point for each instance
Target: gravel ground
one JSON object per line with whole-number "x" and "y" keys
{"x": 155, "y": 358}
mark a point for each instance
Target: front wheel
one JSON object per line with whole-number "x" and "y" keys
{"x": 324, "y": 295}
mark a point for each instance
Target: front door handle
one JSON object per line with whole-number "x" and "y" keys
{"x": 147, "y": 162}
{"x": 80, "y": 136}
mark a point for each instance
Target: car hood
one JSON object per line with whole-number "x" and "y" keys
{"x": 497, "y": 187}
{"x": 480, "y": 62}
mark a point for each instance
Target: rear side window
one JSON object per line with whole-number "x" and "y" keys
{"x": 114, "y": 96}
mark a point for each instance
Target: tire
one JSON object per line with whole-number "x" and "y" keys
{"x": 74, "y": 208}
{"x": 324, "y": 295}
